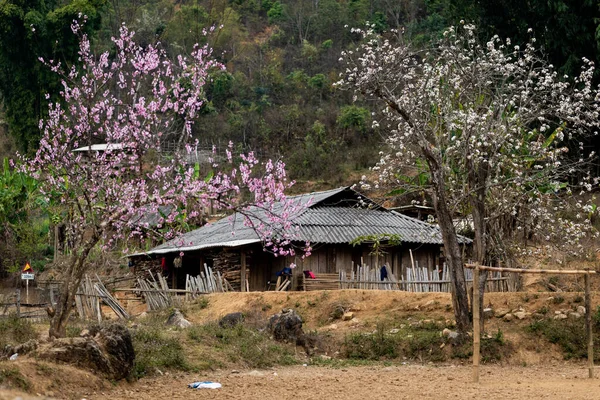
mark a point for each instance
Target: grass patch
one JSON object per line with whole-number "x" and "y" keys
{"x": 14, "y": 330}
{"x": 12, "y": 377}
{"x": 418, "y": 342}
{"x": 155, "y": 349}
{"x": 242, "y": 344}
{"x": 569, "y": 334}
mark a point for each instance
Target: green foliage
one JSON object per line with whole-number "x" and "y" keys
{"x": 421, "y": 343}
{"x": 12, "y": 377}
{"x": 353, "y": 117}
{"x": 252, "y": 347}
{"x": 14, "y": 331}
{"x": 29, "y": 30}
{"x": 155, "y": 349}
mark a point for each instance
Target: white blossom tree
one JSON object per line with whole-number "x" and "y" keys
{"x": 132, "y": 99}
{"x": 491, "y": 126}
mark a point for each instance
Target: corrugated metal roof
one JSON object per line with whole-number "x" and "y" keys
{"x": 317, "y": 224}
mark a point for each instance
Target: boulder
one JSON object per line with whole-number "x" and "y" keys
{"x": 501, "y": 313}
{"x": 522, "y": 315}
{"x": 232, "y": 319}
{"x": 560, "y": 316}
{"x": 508, "y": 317}
{"x": 286, "y": 326}
{"x": 575, "y": 315}
{"x": 488, "y": 313}
{"x": 581, "y": 310}
{"x": 176, "y": 319}
{"x": 107, "y": 350}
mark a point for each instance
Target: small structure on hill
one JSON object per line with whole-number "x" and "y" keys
{"x": 330, "y": 222}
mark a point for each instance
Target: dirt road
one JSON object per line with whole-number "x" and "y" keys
{"x": 560, "y": 381}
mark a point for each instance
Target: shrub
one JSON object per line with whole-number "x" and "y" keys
{"x": 14, "y": 330}
{"x": 154, "y": 349}
{"x": 240, "y": 343}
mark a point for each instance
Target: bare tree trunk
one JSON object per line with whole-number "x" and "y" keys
{"x": 452, "y": 251}
{"x": 72, "y": 277}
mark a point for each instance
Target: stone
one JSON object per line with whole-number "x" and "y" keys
{"x": 575, "y": 315}
{"x": 501, "y": 313}
{"x": 347, "y": 316}
{"x": 286, "y": 326}
{"x": 324, "y": 357}
{"x": 108, "y": 350}
{"x": 394, "y": 331}
{"x": 232, "y": 319}
{"x": 488, "y": 313}
{"x": 430, "y": 303}
{"x": 255, "y": 373}
{"x": 176, "y": 319}
{"x": 522, "y": 315}
{"x": 581, "y": 310}
{"x": 560, "y": 316}
{"x": 331, "y": 327}
{"x": 508, "y": 317}
{"x": 450, "y": 334}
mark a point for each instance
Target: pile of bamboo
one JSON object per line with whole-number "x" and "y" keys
{"x": 155, "y": 292}
{"x": 88, "y": 298}
{"x": 206, "y": 282}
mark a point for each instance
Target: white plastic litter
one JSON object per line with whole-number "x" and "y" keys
{"x": 14, "y": 357}
{"x": 205, "y": 385}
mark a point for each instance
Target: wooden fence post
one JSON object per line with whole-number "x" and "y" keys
{"x": 243, "y": 272}
{"x": 589, "y": 326}
{"x": 18, "y": 303}
{"x": 476, "y": 326}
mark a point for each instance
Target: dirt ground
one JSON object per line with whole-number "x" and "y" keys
{"x": 554, "y": 381}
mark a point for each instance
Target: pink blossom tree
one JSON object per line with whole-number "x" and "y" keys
{"x": 133, "y": 99}
{"x": 492, "y": 127}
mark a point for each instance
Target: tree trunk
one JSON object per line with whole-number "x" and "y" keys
{"x": 452, "y": 250}
{"x": 72, "y": 277}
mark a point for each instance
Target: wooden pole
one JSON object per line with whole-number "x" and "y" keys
{"x": 532, "y": 271}
{"x": 243, "y": 272}
{"x": 476, "y": 326}
{"x": 588, "y": 323}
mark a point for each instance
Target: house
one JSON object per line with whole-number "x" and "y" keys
{"x": 330, "y": 221}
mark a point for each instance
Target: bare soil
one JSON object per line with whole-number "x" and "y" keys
{"x": 554, "y": 381}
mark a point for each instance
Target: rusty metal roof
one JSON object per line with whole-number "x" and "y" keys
{"x": 319, "y": 223}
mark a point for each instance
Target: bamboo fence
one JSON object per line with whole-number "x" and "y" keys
{"x": 418, "y": 279}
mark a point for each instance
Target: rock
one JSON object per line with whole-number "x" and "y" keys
{"x": 108, "y": 350}
{"x": 560, "y": 316}
{"x": 331, "y": 327}
{"x": 347, "y": 316}
{"x": 522, "y": 315}
{"x": 575, "y": 315}
{"x": 581, "y": 310}
{"x": 232, "y": 319}
{"x": 430, "y": 303}
{"x": 286, "y": 326}
{"x": 488, "y": 313}
{"x": 508, "y": 317}
{"x": 255, "y": 373}
{"x": 450, "y": 334}
{"x": 501, "y": 313}
{"x": 176, "y": 319}
{"x": 394, "y": 331}
{"x": 324, "y": 357}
